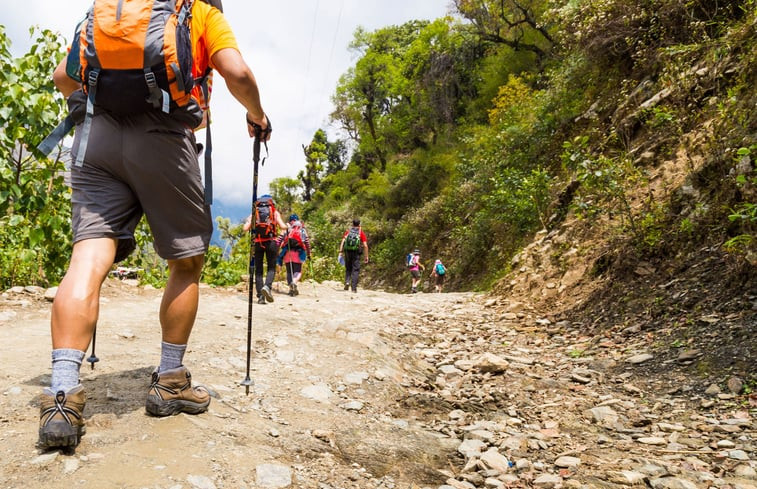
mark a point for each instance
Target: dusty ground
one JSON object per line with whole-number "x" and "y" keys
{"x": 300, "y": 343}
{"x": 373, "y": 390}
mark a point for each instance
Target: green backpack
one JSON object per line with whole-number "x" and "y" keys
{"x": 352, "y": 240}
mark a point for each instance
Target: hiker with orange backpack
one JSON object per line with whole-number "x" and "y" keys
{"x": 295, "y": 250}
{"x": 267, "y": 224}
{"x": 135, "y": 99}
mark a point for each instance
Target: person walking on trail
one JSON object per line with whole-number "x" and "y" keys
{"x": 354, "y": 244}
{"x": 268, "y": 222}
{"x": 295, "y": 250}
{"x": 142, "y": 163}
{"x": 415, "y": 266}
{"x": 439, "y": 272}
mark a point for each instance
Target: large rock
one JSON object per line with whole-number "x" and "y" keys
{"x": 51, "y": 293}
{"x": 547, "y": 481}
{"x": 491, "y": 363}
{"x": 626, "y": 478}
{"x": 200, "y": 482}
{"x": 273, "y": 476}
{"x": 671, "y": 483}
{"x": 495, "y": 460}
{"x": 566, "y": 462}
{"x": 641, "y": 358}
{"x": 471, "y": 448}
{"x": 318, "y": 392}
{"x": 603, "y": 415}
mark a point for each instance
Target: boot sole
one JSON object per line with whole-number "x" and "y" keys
{"x": 267, "y": 294}
{"x": 60, "y": 434}
{"x": 156, "y": 406}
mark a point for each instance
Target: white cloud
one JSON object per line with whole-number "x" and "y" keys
{"x": 297, "y": 50}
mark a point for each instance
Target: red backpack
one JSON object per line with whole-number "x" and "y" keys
{"x": 294, "y": 239}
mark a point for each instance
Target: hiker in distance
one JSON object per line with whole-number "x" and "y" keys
{"x": 415, "y": 266}
{"x": 354, "y": 244}
{"x": 438, "y": 273}
{"x": 295, "y": 250}
{"x": 268, "y": 222}
{"x": 141, "y": 162}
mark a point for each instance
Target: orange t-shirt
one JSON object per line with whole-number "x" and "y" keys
{"x": 210, "y": 33}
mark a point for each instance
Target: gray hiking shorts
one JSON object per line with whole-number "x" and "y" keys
{"x": 141, "y": 164}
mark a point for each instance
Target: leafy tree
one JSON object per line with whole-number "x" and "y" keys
{"x": 519, "y": 24}
{"x": 315, "y": 155}
{"x": 370, "y": 91}
{"x": 34, "y": 209}
{"x": 284, "y": 192}
{"x": 336, "y": 156}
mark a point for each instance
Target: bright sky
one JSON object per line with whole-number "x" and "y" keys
{"x": 297, "y": 50}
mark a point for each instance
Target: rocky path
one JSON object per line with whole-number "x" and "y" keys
{"x": 372, "y": 390}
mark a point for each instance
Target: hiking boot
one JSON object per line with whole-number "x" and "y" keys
{"x": 294, "y": 290}
{"x": 261, "y": 300}
{"x": 61, "y": 423}
{"x": 171, "y": 392}
{"x": 347, "y": 286}
{"x": 266, "y": 293}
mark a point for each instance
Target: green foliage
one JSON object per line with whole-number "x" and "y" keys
{"x": 153, "y": 269}
{"x": 744, "y": 213}
{"x": 222, "y": 271}
{"x": 225, "y": 266}
{"x": 34, "y": 201}
{"x": 604, "y": 183}
{"x": 519, "y": 24}
{"x": 284, "y": 192}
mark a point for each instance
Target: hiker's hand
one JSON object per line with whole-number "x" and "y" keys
{"x": 262, "y": 123}
{"x": 366, "y": 259}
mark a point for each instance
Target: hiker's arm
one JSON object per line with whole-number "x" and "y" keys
{"x": 63, "y": 82}
{"x": 280, "y": 222}
{"x": 341, "y": 246}
{"x": 247, "y": 223}
{"x": 242, "y": 85}
{"x": 365, "y": 248}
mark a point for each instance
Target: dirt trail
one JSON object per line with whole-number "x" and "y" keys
{"x": 312, "y": 354}
{"x": 373, "y": 391}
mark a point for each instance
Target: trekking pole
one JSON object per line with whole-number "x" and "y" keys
{"x": 292, "y": 285}
{"x": 247, "y": 382}
{"x": 93, "y": 358}
{"x": 312, "y": 277}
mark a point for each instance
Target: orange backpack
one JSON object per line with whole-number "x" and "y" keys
{"x": 136, "y": 56}
{"x": 265, "y": 219}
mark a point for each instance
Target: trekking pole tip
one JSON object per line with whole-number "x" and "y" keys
{"x": 92, "y": 360}
{"x": 247, "y": 382}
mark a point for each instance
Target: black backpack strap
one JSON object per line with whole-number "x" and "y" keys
{"x": 54, "y": 138}
{"x": 87, "y": 125}
{"x": 208, "y": 145}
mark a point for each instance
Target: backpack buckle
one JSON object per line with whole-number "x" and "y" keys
{"x": 150, "y": 79}
{"x": 92, "y": 78}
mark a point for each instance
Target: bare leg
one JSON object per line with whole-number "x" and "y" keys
{"x": 178, "y": 308}
{"x": 77, "y": 303}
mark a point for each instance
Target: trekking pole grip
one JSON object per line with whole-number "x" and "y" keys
{"x": 259, "y": 131}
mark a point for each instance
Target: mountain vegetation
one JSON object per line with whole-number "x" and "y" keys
{"x": 467, "y": 135}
